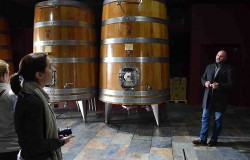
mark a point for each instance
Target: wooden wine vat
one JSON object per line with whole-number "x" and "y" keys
{"x": 134, "y": 62}
{"x": 5, "y": 44}
{"x": 66, "y": 31}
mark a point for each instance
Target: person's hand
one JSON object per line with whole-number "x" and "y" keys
{"x": 67, "y": 138}
{"x": 215, "y": 85}
{"x": 60, "y": 136}
{"x": 207, "y": 84}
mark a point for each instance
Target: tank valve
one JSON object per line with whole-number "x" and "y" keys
{"x": 67, "y": 85}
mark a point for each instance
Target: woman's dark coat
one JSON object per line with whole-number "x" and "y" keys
{"x": 216, "y": 99}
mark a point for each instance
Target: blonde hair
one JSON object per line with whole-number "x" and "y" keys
{"x": 4, "y": 67}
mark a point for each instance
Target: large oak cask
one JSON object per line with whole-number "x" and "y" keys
{"x": 66, "y": 31}
{"x": 5, "y": 44}
{"x": 134, "y": 62}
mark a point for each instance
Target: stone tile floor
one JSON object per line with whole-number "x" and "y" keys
{"x": 136, "y": 136}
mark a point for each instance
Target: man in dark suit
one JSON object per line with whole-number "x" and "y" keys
{"x": 218, "y": 80}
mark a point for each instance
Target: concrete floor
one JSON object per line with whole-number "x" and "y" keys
{"x": 136, "y": 136}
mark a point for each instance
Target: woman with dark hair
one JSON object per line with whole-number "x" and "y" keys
{"x": 35, "y": 120}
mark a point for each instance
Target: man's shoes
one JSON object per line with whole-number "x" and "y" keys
{"x": 212, "y": 142}
{"x": 199, "y": 142}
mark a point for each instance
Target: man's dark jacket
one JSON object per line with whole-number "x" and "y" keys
{"x": 216, "y": 99}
